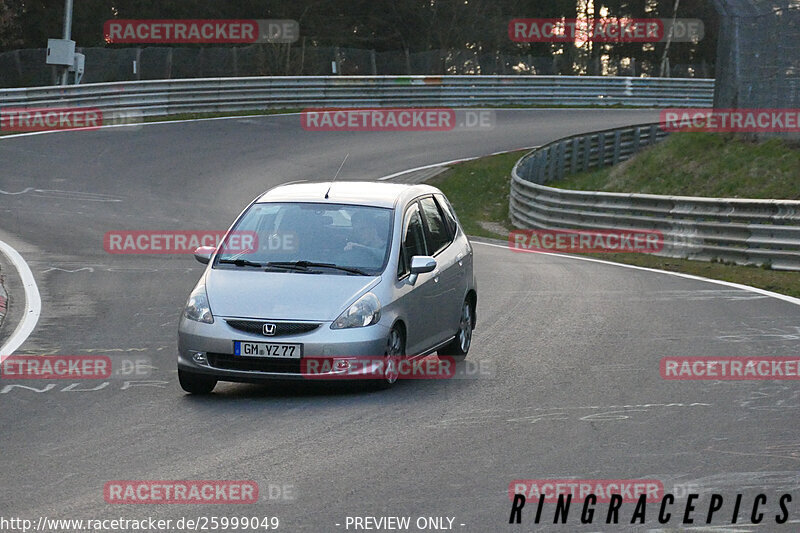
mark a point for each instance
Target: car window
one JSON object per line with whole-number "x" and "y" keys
{"x": 449, "y": 215}
{"x": 437, "y": 233}
{"x": 352, "y": 236}
{"x": 413, "y": 239}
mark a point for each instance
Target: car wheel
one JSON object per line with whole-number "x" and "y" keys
{"x": 395, "y": 349}
{"x": 459, "y": 346}
{"x": 196, "y": 383}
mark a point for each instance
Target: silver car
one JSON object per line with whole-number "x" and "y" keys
{"x": 325, "y": 270}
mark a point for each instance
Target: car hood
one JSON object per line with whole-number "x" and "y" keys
{"x": 282, "y": 296}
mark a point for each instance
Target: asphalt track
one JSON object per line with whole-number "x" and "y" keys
{"x": 573, "y": 347}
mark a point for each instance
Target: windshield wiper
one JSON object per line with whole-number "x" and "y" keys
{"x": 304, "y": 265}
{"x": 240, "y": 263}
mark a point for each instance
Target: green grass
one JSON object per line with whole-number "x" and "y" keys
{"x": 191, "y": 116}
{"x": 702, "y": 164}
{"x": 479, "y": 192}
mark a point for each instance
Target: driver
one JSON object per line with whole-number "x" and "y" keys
{"x": 364, "y": 235}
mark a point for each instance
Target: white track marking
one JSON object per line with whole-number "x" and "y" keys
{"x": 784, "y": 297}
{"x": 233, "y": 117}
{"x": 138, "y": 124}
{"x": 33, "y": 303}
{"x": 453, "y": 162}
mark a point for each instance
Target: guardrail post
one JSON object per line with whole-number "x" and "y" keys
{"x": 573, "y": 163}
{"x": 653, "y": 134}
{"x": 528, "y": 170}
{"x": 562, "y": 156}
{"x": 587, "y": 152}
{"x": 601, "y": 150}
{"x": 637, "y": 138}
{"x": 550, "y": 166}
{"x": 617, "y": 139}
{"x": 542, "y": 177}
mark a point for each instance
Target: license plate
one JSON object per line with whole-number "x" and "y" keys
{"x": 266, "y": 349}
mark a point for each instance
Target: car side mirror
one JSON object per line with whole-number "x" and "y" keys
{"x": 203, "y": 254}
{"x": 420, "y": 264}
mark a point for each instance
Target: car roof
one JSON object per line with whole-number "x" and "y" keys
{"x": 371, "y": 193}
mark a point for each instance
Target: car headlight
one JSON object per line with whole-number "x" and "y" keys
{"x": 197, "y": 307}
{"x": 364, "y": 312}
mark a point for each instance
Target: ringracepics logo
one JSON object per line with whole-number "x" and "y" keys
{"x": 633, "y": 501}
{"x": 586, "y": 241}
{"x": 43, "y": 119}
{"x": 395, "y": 119}
{"x": 605, "y": 30}
{"x": 730, "y": 368}
{"x": 184, "y": 242}
{"x": 731, "y": 120}
{"x": 201, "y": 31}
{"x": 180, "y": 492}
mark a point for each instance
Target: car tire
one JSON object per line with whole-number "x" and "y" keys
{"x": 395, "y": 349}
{"x": 196, "y": 383}
{"x": 459, "y": 346}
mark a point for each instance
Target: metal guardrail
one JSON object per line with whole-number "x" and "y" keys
{"x": 168, "y": 97}
{"x": 743, "y": 231}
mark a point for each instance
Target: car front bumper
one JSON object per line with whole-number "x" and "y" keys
{"x": 215, "y": 343}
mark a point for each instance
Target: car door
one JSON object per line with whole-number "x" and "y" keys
{"x": 418, "y": 300}
{"x": 460, "y": 246}
{"x": 448, "y": 273}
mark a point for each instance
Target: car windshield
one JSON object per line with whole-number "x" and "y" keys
{"x": 310, "y": 237}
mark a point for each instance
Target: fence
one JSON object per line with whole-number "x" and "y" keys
{"x": 27, "y": 68}
{"x": 758, "y": 64}
{"x": 167, "y": 97}
{"x": 758, "y": 232}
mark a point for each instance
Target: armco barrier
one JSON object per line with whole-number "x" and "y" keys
{"x": 756, "y": 232}
{"x": 169, "y": 97}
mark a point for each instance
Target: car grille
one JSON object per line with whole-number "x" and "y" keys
{"x": 281, "y": 328}
{"x": 253, "y": 364}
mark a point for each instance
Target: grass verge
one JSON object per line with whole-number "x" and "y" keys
{"x": 195, "y": 116}
{"x": 702, "y": 164}
{"x": 479, "y": 192}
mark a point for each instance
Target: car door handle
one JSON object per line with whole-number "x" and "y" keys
{"x": 436, "y": 277}
{"x": 460, "y": 259}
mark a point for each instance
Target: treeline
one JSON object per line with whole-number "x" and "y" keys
{"x": 409, "y": 26}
